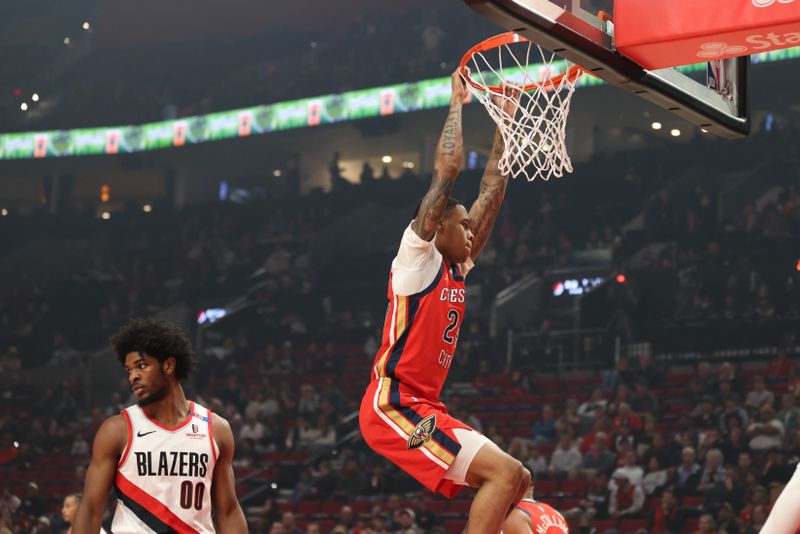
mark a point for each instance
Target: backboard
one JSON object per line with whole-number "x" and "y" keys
{"x": 573, "y": 30}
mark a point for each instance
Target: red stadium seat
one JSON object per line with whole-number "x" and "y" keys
{"x": 326, "y": 525}
{"x": 546, "y": 488}
{"x": 360, "y": 506}
{"x": 693, "y": 502}
{"x": 458, "y": 508}
{"x": 631, "y": 526}
{"x": 307, "y": 508}
{"x": 331, "y": 508}
{"x": 691, "y": 525}
{"x": 573, "y": 488}
{"x": 605, "y": 524}
{"x": 454, "y": 526}
{"x": 437, "y": 506}
{"x": 568, "y": 503}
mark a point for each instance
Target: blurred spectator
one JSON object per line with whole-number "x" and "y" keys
{"x": 9, "y": 503}
{"x": 536, "y": 460}
{"x": 643, "y": 400}
{"x": 706, "y": 525}
{"x": 425, "y": 518}
{"x": 599, "y": 459}
{"x": 713, "y": 471}
{"x": 587, "y": 409}
{"x": 571, "y": 417}
{"x": 789, "y": 414}
{"x": 566, "y": 458}
{"x": 759, "y": 395}
{"x": 626, "y": 499}
{"x": 687, "y": 475}
{"x": 726, "y": 520}
{"x": 732, "y": 411}
{"x": 667, "y": 517}
{"x": 408, "y": 523}
{"x": 618, "y": 376}
{"x": 627, "y": 418}
{"x": 544, "y": 430}
{"x": 630, "y": 470}
{"x": 33, "y": 504}
{"x": 703, "y": 416}
{"x": 781, "y": 367}
{"x": 655, "y": 479}
{"x": 767, "y": 432}
{"x": 347, "y": 517}
{"x": 288, "y": 523}
{"x": 775, "y": 470}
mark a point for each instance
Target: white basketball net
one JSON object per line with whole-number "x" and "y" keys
{"x": 535, "y": 138}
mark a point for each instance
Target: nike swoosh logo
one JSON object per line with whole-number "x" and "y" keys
{"x": 140, "y": 435}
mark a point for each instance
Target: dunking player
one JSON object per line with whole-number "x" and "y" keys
{"x": 401, "y": 417}
{"x": 785, "y": 515}
{"x": 169, "y": 459}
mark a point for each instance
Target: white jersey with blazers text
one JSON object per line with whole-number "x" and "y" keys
{"x": 163, "y": 480}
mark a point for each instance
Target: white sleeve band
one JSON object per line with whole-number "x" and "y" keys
{"x": 416, "y": 264}
{"x": 785, "y": 515}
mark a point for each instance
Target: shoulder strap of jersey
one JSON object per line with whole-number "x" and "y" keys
{"x": 129, "y": 442}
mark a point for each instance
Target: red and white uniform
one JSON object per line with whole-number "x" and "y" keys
{"x": 544, "y": 518}
{"x": 163, "y": 480}
{"x": 401, "y": 417}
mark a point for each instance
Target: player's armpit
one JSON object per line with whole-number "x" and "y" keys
{"x": 228, "y": 512}
{"x": 108, "y": 445}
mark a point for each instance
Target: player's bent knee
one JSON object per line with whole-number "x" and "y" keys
{"x": 526, "y": 479}
{"x": 495, "y": 466}
{"x": 525, "y": 483}
{"x": 512, "y": 473}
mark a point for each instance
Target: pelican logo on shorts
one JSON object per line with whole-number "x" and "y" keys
{"x": 422, "y": 433}
{"x": 767, "y": 3}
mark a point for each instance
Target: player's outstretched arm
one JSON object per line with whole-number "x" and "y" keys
{"x": 449, "y": 154}
{"x": 108, "y": 445}
{"x": 483, "y": 212}
{"x": 229, "y": 515}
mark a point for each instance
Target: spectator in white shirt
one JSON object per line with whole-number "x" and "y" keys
{"x": 632, "y": 472}
{"x": 767, "y": 432}
{"x": 626, "y": 499}
{"x": 566, "y": 458}
{"x": 252, "y": 429}
{"x": 759, "y": 395}
{"x": 655, "y": 479}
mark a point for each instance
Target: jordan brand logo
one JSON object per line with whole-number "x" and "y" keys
{"x": 141, "y": 435}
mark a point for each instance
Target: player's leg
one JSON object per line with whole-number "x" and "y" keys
{"x": 502, "y": 480}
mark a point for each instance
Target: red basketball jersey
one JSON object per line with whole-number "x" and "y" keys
{"x": 544, "y": 518}
{"x": 420, "y": 334}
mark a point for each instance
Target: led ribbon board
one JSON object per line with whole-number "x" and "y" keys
{"x": 330, "y": 109}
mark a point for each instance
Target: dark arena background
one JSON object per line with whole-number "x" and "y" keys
{"x": 246, "y": 171}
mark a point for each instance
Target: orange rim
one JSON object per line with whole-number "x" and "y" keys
{"x": 571, "y": 74}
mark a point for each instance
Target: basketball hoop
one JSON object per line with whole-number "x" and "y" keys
{"x": 535, "y": 137}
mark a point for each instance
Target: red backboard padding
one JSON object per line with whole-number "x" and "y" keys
{"x": 667, "y": 33}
